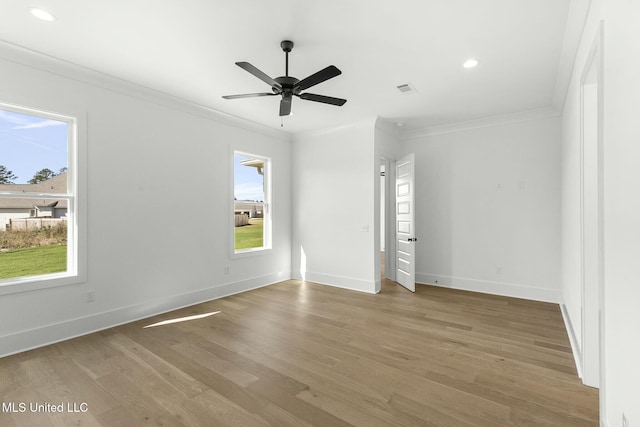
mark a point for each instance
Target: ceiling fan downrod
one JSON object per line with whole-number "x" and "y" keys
{"x": 287, "y": 46}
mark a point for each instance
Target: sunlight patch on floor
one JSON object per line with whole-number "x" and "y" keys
{"x": 182, "y": 319}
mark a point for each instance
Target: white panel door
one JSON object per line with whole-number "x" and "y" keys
{"x": 405, "y": 223}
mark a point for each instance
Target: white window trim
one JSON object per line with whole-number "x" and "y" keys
{"x": 268, "y": 208}
{"x": 77, "y": 207}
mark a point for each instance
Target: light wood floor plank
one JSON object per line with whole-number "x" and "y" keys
{"x": 301, "y": 354}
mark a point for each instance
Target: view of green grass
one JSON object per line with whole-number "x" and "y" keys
{"x": 250, "y": 236}
{"x": 33, "y": 261}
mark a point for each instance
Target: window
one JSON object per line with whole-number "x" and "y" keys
{"x": 252, "y": 222}
{"x": 38, "y": 206}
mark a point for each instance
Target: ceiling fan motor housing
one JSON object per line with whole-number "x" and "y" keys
{"x": 286, "y": 45}
{"x": 288, "y": 84}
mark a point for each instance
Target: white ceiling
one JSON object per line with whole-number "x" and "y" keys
{"x": 188, "y": 49}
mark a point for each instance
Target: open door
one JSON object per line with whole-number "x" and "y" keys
{"x": 405, "y": 223}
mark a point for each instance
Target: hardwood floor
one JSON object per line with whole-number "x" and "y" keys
{"x": 300, "y": 354}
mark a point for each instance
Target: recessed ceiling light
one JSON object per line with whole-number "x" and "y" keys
{"x": 470, "y": 63}
{"x": 42, "y": 14}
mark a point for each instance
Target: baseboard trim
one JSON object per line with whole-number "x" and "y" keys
{"x": 575, "y": 349}
{"x": 338, "y": 281}
{"x": 27, "y": 340}
{"x": 494, "y": 288}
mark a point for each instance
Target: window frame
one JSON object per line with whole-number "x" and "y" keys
{"x": 267, "y": 242}
{"x": 76, "y": 207}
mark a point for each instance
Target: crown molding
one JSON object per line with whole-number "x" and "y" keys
{"x": 504, "y": 119}
{"x": 388, "y": 127}
{"x": 369, "y": 122}
{"x": 29, "y": 58}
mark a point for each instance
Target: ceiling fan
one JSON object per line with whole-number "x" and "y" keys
{"x": 288, "y": 87}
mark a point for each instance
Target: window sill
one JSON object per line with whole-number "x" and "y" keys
{"x": 36, "y": 283}
{"x": 251, "y": 252}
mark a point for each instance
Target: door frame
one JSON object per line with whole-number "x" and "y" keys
{"x": 592, "y": 294}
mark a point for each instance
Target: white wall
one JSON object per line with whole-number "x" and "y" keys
{"x": 622, "y": 210}
{"x": 621, "y": 154}
{"x": 488, "y": 208}
{"x": 334, "y": 207}
{"x": 144, "y": 153}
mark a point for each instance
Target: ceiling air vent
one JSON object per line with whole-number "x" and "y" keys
{"x": 406, "y": 88}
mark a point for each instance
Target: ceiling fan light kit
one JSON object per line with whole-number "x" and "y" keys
{"x": 287, "y": 86}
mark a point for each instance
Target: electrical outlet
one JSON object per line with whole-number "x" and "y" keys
{"x": 226, "y": 270}
{"x": 625, "y": 422}
{"x": 91, "y": 296}
{"x": 498, "y": 270}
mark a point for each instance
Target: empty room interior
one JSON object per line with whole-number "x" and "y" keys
{"x": 294, "y": 213}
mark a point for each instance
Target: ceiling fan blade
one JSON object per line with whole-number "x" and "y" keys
{"x": 259, "y": 74}
{"x": 325, "y": 74}
{"x": 285, "y": 107}
{"x": 249, "y": 95}
{"x": 321, "y": 98}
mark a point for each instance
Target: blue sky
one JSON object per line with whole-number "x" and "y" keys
{"x": 248, "y": 183}
{"x": 29, "y": 144}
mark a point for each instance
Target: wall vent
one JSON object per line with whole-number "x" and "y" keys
{"x": 406, "y": 88}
